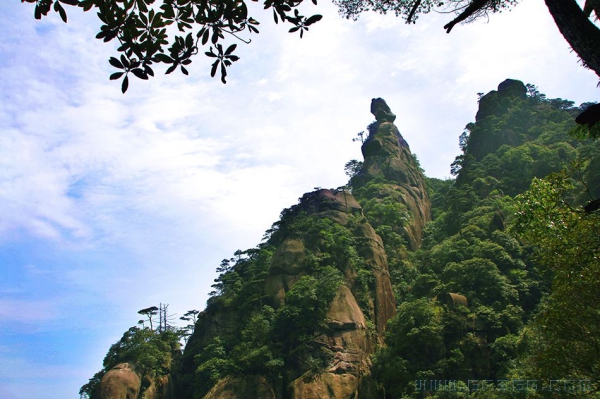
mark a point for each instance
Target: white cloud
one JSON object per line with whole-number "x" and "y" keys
{"x": 28, "y": 311}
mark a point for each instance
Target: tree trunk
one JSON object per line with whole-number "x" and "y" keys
{"x": 581, "y": 34}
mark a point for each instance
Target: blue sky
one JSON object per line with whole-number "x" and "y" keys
{"x": 111, "y": 203}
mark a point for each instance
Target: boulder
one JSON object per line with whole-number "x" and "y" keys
{"x": 121, "y": 382}
{"x": 382, "y": 111}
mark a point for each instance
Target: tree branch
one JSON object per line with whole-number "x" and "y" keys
{"x": 577, "y": 29}
{"x": 475, "y": 6}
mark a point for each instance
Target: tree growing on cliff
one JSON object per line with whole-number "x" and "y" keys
{"x": 151, "y": 353}
{"x": 149, "y": 313}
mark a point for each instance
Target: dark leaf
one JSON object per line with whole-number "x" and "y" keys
{"x": 205, "y": 37}
{"x": 138, "y": 72}
{"x": 61, "y": 11}
{"x": 149, "y": 71}
{"x": 115, "y": 62}
{"x": 213, "y": 70}
{"x": 144, "y": 19}
{"x": 116, "y": 75}
{"x": 86, "y": 5}
{"x": 124, "y": 61}
{"x": 70, "y": 2}
{"x": 230, "y": 49}
{"x": 160, "y": 57}
{"x": 168, "y": 11}
{"x": 233, "y": 58}
{"x": 223, "y": 73}
{"x": 125, "y": 84}
{"x": 142, "y": 5}
{"x": 171, "y": 69}
{"x": 313, "y": 19}
{"x": 186, "y": 62}
{"x": 185, "y": 71}
{"x": 110, "y": 36}
{"x": 294, "y": 29}
{"x": 189, "y": 40}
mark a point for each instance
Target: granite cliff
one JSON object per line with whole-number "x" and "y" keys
{"x": 347, "y": 297}
{"x": 300, "y": 315}
{"x": 326, "y": 233}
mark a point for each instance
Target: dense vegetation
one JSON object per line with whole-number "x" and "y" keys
{"x": 503, "y": 286}
{"x": 532, "y": 297}
{"x": 267, "y": 338}
{"x": 150, "y": 352}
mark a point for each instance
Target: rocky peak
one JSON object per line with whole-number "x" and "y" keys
{"x": 382, "y": 111}
{"x": 388, "y": 159}
{"x": 492, "y": 102}
{"x": 326, "y": 243}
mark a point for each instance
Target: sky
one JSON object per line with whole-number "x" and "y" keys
{"x": 111, "y": 203}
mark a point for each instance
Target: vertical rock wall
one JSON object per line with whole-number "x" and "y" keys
{"x": 387, "y": 157}
{"x": 354, "y": 327}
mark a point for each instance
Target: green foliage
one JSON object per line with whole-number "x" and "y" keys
{"x": 241, "y": 281}
{"x": 531, "y": 301}
{"x": 263, "y": 340}
{"x": 150, "y": 352}
{"x": 213, "y": 365}
{"x": 409, "y": 9}
{"x": 480, "y": 280}
{"x": 352, "y": 168}
{"x": 306, "y": 304}
{"x": 563, "y": 339}
{"x": 468, "y": 250}
{"x": 383, "y": 209}
{"x": 143, "y": 29}
{"x": 414, "y": 343}
{"x": 87, "y": 390}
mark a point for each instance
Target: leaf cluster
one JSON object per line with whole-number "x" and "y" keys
{"x": 144, "y": 30}
{"x": 410, "y": 10}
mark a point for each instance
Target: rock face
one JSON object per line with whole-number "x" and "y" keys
{"x": 491, "y": 103}
{"x": 356, "y": 317}
{"x": 242, "y": 388}
{"x": 347, "y": 337}
{"x": 124, "y": 382}
{"x": 484, "y": 140}
{"x": 382, "y": 111}
{"x": 388, "y": 157}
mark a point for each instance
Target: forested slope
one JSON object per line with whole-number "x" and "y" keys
{"x": 383, "y": 286}
{"x": 473, "y": 248}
